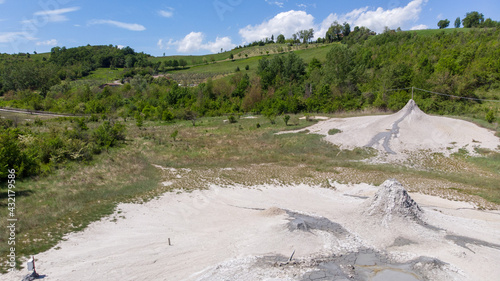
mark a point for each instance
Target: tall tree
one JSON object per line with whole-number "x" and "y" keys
{"x": 334, "y": 33}
{"x": 473, "y": 19}
{"x": 490, "y": 23}
{"x": 341, "y": 68}
{"x": 443, "y": 23}
{"x": 280, "y": 39}
{"x": 182, "y": 63}
{"x": 346, "y": 30}
{"x": 305, "y": 35}
{"x": 457, "y": 22}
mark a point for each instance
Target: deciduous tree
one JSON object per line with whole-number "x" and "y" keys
{"x": 280, "y": 39}
{"x": 473, "y": 19}
{"x": 443, "y": 23}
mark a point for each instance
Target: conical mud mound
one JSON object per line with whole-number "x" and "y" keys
{"x": 391, "y": 202}
{"x": 409, "y": 132}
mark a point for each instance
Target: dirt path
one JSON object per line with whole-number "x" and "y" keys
{"x": 41, "y": 113}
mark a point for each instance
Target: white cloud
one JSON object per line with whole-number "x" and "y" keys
{"x": 2, "y": 1}
{"x": 128, "y": 26}
{"x": 377, "y": 19}
{"x": 419, "y": 27}
{"x": 120, "y": 47}
{"x": 193, "y": 42}
{"x": 167, "y": 45}
{"x": 8, "y": 37}
{"x": 286, "y": 23}
{"x": 168, "y": 13}
{"x": 277, "y": 3}
{"x": 440, "y": 16}
{"x": 52, "y": 42}
{"x": 56, "y": 15}
{"x": 302, "y": 6}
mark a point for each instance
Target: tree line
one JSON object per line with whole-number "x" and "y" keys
{"x": 356, "y": 74}
{"x": 472, "y": 20}
{"x": 23, "y": 72}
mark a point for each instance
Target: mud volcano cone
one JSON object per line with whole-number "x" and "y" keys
{"x": 408, "y": 132}
{"x": 391, "y": 202}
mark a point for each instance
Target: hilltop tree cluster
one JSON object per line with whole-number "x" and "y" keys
{"x": 472, "y": 20}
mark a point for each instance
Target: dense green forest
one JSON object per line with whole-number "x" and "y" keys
{"x": 360, "y": 71}
{"x": 355, "y": 74}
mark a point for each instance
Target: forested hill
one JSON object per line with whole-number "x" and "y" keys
{"x": 360, "y": 70}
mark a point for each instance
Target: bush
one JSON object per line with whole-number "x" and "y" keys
{"x": 13, "y": 157}
{"x": 6, "y": 123}
{"x": 490, "y": 116}
{"x": 232, "y": 119}
{"x": 334, "y": 131}
{"x": 286, "y": 118}
{"x": 167, "y": 116}
{"x": 107, "y": 135}
{"x": 94, "y": 118}
{"x": 139, "y": 119}
{"x": 174, "y": 134}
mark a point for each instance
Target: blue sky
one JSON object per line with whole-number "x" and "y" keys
{"x": 201, "y": 27}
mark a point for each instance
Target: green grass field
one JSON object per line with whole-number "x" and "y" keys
{"x": 199, "y": 73}
{"x": 105, "y": 74}
{"x": 429, "y": 32}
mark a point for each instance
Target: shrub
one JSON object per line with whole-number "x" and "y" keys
{"x": 334, "y": 131}
{"x": 107, "y": 135}
{"x": 490, "y": 116}
{"x": 174, "y": 134}
{"x": 167, "y": 116}
{"x": 232, "y": 119}
{"x": 286, "y": 118}
{"x": 13, "y": 157}
{"x": 139, "y": 119}
{"x": 6, "y": 123}
{"x": 93, "y": 118}
{"x": 38, "y": 122}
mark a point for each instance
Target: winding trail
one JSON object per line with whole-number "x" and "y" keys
{"x": 41, "y": 113}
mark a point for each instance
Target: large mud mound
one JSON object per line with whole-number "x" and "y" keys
{"x": 407, "y": 131}
{"x": 393, "y": 201}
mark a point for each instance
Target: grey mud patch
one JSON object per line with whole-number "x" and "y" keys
{"x": 463, "y": 241}
{"x": 364, "y": 264}
{"x": 307, "y": 223}
{"x": 401, "y": 241}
